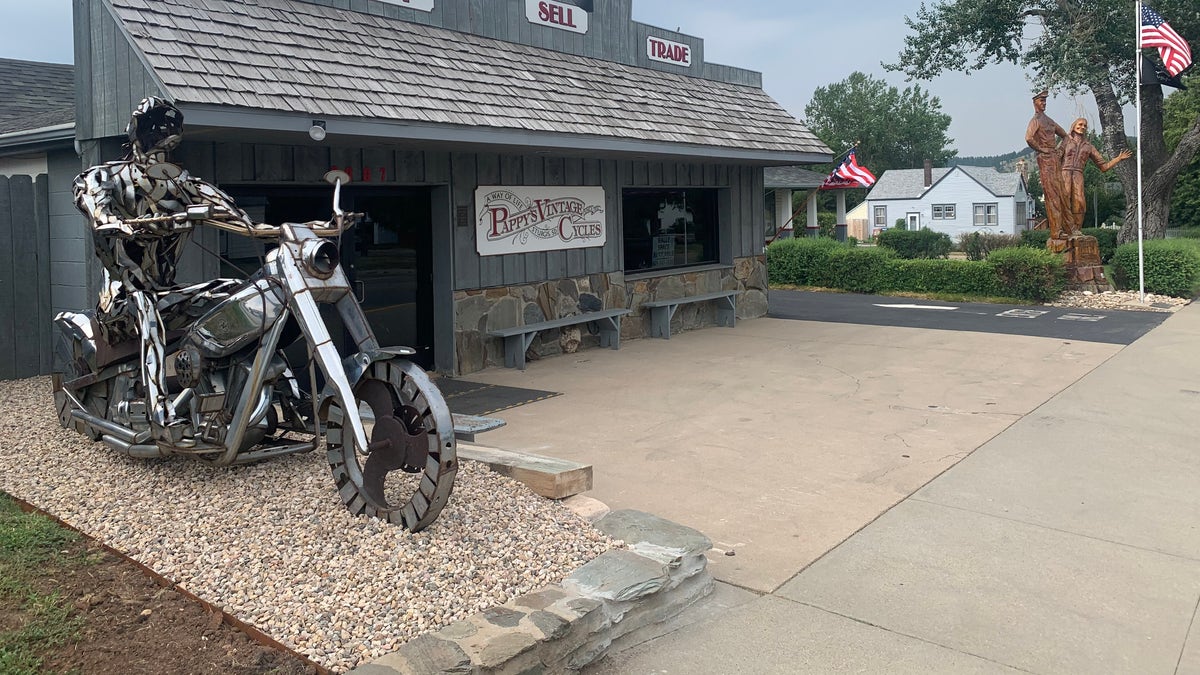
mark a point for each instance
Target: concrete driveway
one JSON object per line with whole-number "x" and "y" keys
{"x": 780, "y": 439}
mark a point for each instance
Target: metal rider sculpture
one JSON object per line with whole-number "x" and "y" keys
{"x": 231, "y": 395}
{"x": 131, "y": 205}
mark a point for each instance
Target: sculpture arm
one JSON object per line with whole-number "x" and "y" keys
{"x": 1105, "y": 166}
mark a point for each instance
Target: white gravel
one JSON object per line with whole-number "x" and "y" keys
{"x": 1119, "y": 300}
{"x": 272, "y": 544}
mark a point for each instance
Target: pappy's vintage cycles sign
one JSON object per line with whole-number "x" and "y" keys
{"x": 528, "y": 219}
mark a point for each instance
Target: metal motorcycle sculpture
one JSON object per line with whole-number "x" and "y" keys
{"x": 233, "y": 397}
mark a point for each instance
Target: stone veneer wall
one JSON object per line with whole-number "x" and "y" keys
{"x": 478, "y": 311}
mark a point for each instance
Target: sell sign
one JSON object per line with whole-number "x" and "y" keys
{"x": 557, "y": 15}
{"x": 528, "y": 219}
{"x": 419, "y": 5}
{"x": 666, "y": 51}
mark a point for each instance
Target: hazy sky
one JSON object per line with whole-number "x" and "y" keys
{"x": 798, "y": 46}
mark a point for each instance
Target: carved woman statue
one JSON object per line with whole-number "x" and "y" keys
{"x": 1075, "y": 152}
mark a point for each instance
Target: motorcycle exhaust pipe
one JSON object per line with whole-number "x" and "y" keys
{"x": 135, "y": 451}
{"x": 106, "y": 427}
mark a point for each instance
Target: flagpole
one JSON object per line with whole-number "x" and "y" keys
{"x": 1137, "y": 66}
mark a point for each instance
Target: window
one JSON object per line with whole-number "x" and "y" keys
{"x": 943, "y": 211}
{"x": 881, "y": 216}
{"x": 669, "y": 227}
{"x": 987, "y": 215}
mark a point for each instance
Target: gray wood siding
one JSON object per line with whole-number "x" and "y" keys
{"x": 71, "y": 255}
{"x": 110, "y": 78}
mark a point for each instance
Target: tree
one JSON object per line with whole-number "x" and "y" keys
{"x": 1075, "y": 47}
{"x": 1179, "y": 108}
{"x": 896, "y": 129}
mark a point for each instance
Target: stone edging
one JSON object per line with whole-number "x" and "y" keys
{"x": 614, "y": 600}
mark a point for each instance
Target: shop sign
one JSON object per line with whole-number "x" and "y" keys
{"x": 528, "y": 219}
{"x": 419, "y": 5}
{"x": 666, "y": 51}
{"x": 557, "y": 15}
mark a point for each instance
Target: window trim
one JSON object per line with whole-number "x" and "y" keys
{"x": 880, "y": 216}
{"x": 990, "y": 212}
{"x": 719, "y": 239}
{"x": 945, "y": 212}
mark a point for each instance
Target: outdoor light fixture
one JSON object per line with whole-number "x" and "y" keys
{"x": 317, "y": 130}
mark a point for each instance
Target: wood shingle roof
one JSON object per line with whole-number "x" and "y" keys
{"x": 34, "y": 95}
{"x": 289, "y": 56}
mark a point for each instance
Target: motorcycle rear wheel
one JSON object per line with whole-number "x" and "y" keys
{"x": 409, "y": 431}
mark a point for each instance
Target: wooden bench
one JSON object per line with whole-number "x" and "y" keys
{"x": 518, "y": 338}
{"x": 662, "y": 311}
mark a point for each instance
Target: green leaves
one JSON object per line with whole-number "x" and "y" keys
{"x": 895, "y": 129}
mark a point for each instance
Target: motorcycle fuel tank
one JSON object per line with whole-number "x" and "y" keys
{"x": 238, "y": 320}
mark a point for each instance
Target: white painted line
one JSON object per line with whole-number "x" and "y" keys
{"x": 1022, "y": 313}
{"x": 916, "y": 307}
{"x": 1081, "y": 317}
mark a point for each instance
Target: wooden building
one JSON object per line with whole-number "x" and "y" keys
{"x": 519, "y": 160}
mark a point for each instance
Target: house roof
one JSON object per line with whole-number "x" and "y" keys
{"x": 35, "y": 95}
{"x": 284, "y": 55}
{"x": 791, "y": 177}
{"x": 910, "y": 183}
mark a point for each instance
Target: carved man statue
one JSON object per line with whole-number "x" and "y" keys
{"x": 1042, "y": 135}
{"x": 138, "y": 208}
{"x": 1076, "y": 150}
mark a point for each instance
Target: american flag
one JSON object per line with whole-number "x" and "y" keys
{"x": 850, "y": 170}
{"x": 1174, "y": 50}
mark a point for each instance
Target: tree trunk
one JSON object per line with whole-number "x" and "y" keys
{"x": 1156, "y": 211}
{"x": 1160, "y": 169}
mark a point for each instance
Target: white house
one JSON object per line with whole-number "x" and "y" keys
{"x": 955, "y": 200}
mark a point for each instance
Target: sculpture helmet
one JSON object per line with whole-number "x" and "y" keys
{"x": 156, "y": 124}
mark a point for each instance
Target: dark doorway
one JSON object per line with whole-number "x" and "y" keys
{"x": 388, "y": 256}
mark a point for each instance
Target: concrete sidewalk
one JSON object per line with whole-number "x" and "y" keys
{"x": 1068, "y": 542}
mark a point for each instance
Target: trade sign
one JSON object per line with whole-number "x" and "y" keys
{"x": 666, "y": 51}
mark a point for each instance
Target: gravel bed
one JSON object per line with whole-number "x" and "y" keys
{"x": 272, "y": 544}
{"x": 1119, "y": 300}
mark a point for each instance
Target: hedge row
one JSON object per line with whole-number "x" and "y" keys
{"x": 1172, "y": 267}
{"x": 1020, "y": 272}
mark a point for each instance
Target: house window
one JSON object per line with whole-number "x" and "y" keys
{"x": 880, "y": 216}
{"x": 943, "y": 211}
{"x": 670, "y": 228}
{"x": 987, "y": 215}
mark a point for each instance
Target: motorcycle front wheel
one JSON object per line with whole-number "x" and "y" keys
{"x": 406, "y": 472}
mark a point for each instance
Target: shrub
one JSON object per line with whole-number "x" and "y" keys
{"x": 852, "y": 241}
{"x": 977, "y": 245}
{"x": 1029, "y": 273}
{"x": 1106, "y": 237}
{"x": 922, "y": 243}
{"x": 801, "y": 261}
{"x": 940, "y": 276}
{"x": 1172, "y": 267}
{"x": 1035, "y": 238}
{"x": 901, "y": 223}
{"x": 857, "y": 269}
{"x": 827, "y": 222}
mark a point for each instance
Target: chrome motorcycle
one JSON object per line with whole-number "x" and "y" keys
{"x": 237, "y": 399}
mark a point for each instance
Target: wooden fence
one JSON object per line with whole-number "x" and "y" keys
{"x": 25, "y": 314}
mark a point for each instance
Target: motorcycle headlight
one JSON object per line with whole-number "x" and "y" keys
{"x": 320, "y": 258}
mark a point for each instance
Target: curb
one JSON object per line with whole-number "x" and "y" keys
{"x": 615, "y": 599}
